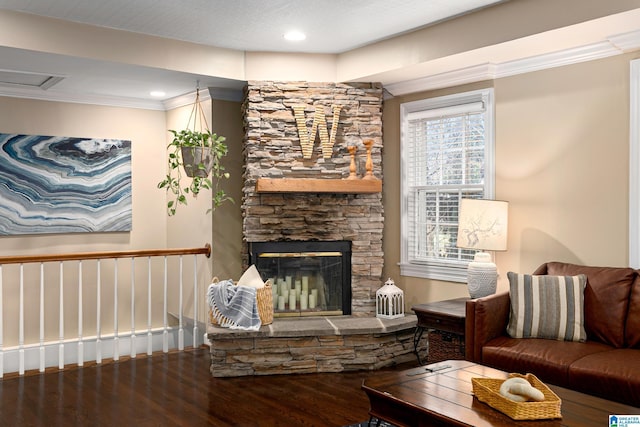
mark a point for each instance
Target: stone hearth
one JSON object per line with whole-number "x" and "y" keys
{"x": 313, "y": 344}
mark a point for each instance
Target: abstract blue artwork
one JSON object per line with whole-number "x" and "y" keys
{"x": 52, "y": 184}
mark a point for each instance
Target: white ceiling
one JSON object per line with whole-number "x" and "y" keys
{"x": 331, "y": 26}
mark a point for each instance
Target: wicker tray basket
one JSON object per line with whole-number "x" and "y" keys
{"x": 264, "y": 296}
{"x": 487, "y": 390}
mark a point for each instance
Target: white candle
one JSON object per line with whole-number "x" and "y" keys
{"x": 274, "y": 294}
{"x": 280, "y": 303}
{"x": 314, "y": 292}
{"x": 292, "y": 301}
{"x": 285, "y": 294}
{"x": 312, "y": 301}
{"x": 289, "y": 279}
{"x": 305, "y": 283}
{"x": 303, "y": 300}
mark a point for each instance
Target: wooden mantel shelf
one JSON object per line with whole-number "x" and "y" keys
{"x": 314, "y": 185}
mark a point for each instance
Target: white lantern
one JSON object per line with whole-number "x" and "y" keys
{"x": 389, "y": 301}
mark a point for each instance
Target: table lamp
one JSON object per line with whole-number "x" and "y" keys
{"x": 482, "y": 224}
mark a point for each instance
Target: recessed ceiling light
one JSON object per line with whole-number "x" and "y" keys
{"x": 157, "y": 93}
{"x": 295, "y": 36}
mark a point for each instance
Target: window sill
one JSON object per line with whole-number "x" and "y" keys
{"x": 440, "y": 271}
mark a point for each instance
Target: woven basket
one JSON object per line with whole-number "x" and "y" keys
{"x": 265, "y": 303}
{"x": 264, "y": 297}
{"x": 487, "y": 390}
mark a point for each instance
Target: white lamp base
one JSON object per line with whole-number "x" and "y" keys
{"x": 482, "y": 276}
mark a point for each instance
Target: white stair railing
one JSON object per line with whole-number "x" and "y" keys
{"x": 33, "y": 343}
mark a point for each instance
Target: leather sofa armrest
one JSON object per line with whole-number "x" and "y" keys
{"x": 486, "y": 318}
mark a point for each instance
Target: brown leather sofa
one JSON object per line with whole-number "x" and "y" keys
{"x": 607, "y": 364}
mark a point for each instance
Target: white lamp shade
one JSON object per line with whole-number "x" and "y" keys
{"x": 482, "y": 224}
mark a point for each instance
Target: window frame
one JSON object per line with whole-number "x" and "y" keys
{"x": 446, "y": 270}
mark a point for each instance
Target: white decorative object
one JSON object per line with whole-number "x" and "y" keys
{"x": 482, "y": 224}
{"x": 251, "y": 277}
{"x": 389, "y": 301}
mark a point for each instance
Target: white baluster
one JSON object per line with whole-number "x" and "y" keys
{"x": 133, "y": 308}
{"x": 21, "y": 323}
{"x": 195, "y": 301}
{"x": 42, "y": 364}
{"x": 116, "y": 339}
{"x": 61, "y": 318}
{"x": 80, "y": 343}
{"x": 98, "y": 314}
{"x": 180, "y": 330}
{"x": 149, "y": 334}
{"x": 165, "y": 332}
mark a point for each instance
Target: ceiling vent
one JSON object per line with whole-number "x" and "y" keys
{"x": 28, "y": 80}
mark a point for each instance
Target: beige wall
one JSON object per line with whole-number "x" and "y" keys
{"x": 146, "y": 130}
{"x": 227, "y": 219}
{"x": 562, "y": 141}
{"x": 192, "y": 226}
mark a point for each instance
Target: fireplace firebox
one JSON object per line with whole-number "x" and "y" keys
{"x": 309, "y": 278}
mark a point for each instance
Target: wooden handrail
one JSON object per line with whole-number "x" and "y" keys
{"x": 23, "y": 259}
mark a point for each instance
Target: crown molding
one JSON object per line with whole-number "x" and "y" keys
{"x": 457, "y": 77}
{"x": 221, "y": 94}
{"x": 556, "y": 59}
{"x": 614, "y": 45}
{"x": 627, "y": 42}
{"x": 184, "y": 100}
{"x": 110, "y": 101}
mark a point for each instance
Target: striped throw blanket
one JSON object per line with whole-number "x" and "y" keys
{"x": 234, "y": 307}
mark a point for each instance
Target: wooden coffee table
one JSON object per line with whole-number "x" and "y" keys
{"x": 440, "y": 394}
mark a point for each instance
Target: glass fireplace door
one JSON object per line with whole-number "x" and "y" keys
{"x": 308, "y": 278}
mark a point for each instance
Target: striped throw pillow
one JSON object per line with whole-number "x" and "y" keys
{"x": 550, "y": 307}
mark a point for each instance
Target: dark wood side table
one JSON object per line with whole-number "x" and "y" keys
{"x": 444, "y": 316}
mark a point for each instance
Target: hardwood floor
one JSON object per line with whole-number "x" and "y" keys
{"x": 176, "y": 389}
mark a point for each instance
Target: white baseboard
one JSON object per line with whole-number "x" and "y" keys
{"x": 55, "y": 354}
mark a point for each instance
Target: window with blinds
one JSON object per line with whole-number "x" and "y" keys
{"x": 447, "y": 155}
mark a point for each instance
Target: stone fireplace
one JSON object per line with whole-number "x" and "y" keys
{"x": 273, "y": 115}
{"x": 313, "y": 174}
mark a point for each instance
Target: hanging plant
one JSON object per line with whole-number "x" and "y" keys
{"x": 198, "y": 152}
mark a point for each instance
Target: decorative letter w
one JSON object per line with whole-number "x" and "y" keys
{"x": 307, "y": 138}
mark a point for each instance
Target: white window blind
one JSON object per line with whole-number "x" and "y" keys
{"x": 446, "y": 150}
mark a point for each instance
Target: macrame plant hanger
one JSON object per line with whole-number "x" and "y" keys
{"x": 198, "y": 112}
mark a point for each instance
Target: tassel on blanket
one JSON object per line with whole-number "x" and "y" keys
{"x": 234, "y": 307}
